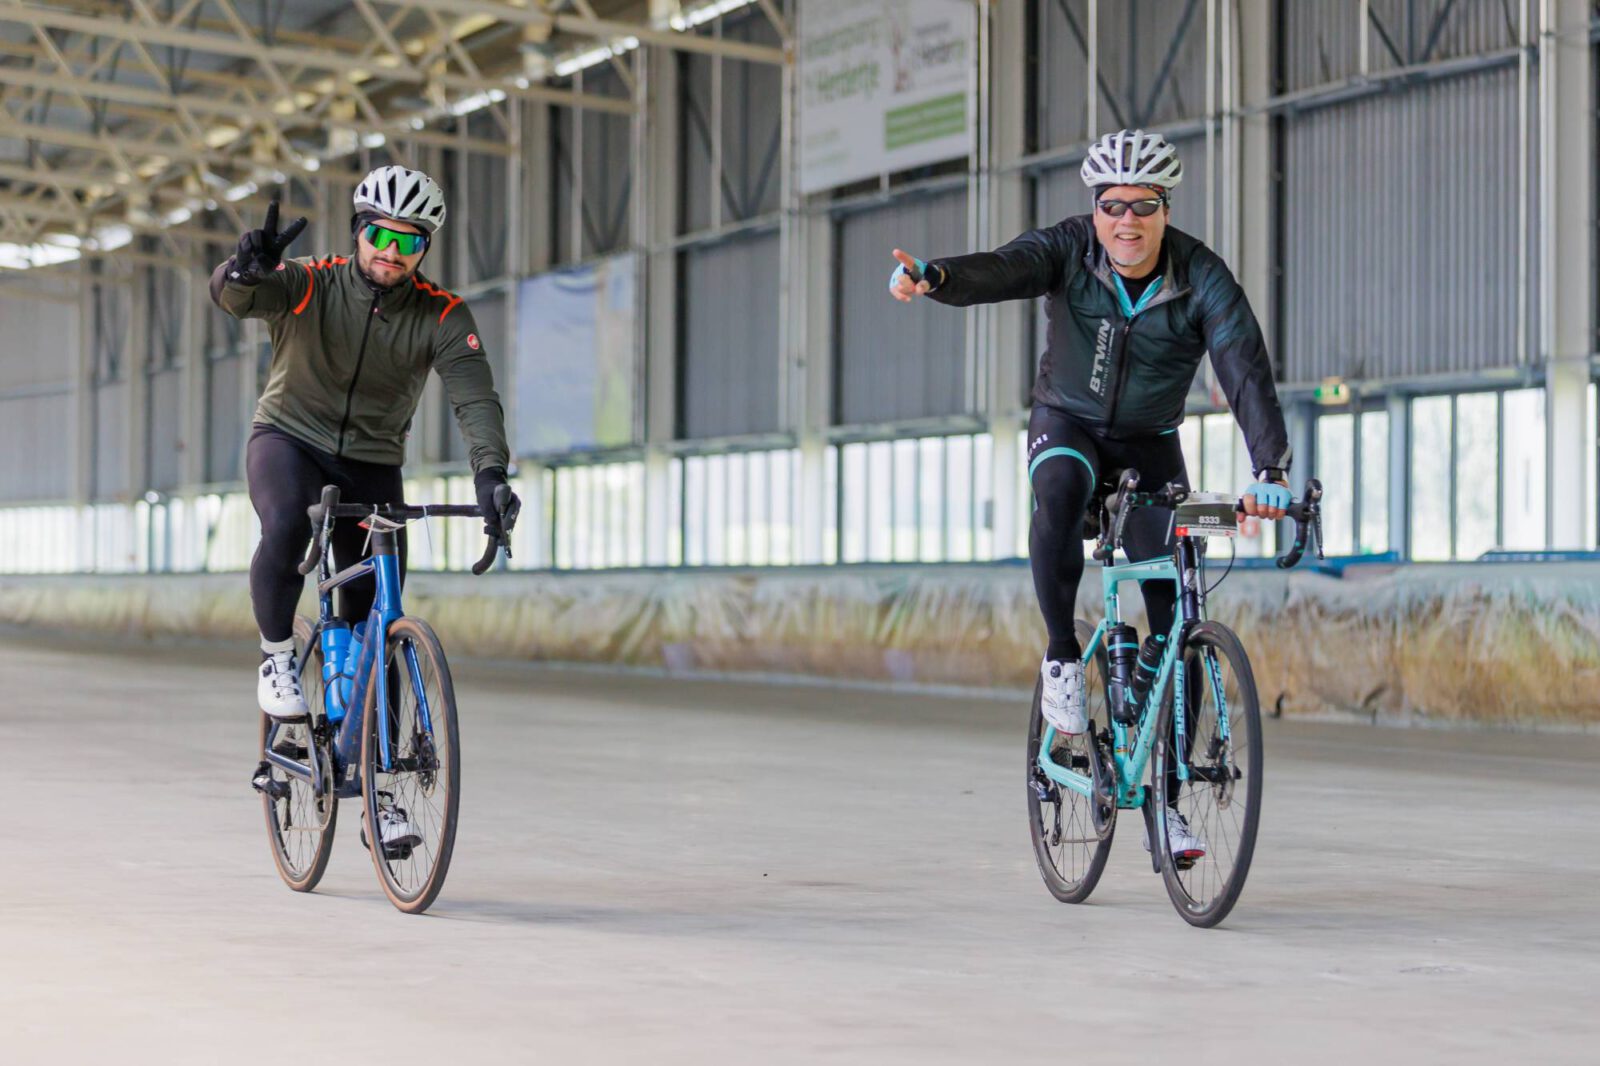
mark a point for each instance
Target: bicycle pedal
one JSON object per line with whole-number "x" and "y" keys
{"x": 262, "y": 781}
{"x": 392, "y": 852}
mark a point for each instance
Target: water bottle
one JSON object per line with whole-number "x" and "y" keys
{"x": 1148, "y": 666}
{"x": 335, "y": 643}
{"x": 347, "y": 669}
{"x": 1122, "y": 651}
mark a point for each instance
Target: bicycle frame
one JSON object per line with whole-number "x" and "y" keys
{"x": 1134, "y": 743}
{"x": 345, "y": 718}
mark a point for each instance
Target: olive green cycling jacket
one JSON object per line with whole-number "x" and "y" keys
{"x": 349, "y": 363}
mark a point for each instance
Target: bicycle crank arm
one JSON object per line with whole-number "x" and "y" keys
{"x": 1149, "y": 812}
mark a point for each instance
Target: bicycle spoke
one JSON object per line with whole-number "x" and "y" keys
{"x": 299, "y": 828}
{"x": 1220, "y": 800}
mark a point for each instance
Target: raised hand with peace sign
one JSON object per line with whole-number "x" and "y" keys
{"x": 261, "y": 250}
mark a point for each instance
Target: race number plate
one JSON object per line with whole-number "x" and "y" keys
{"x": 1206, "y": 514}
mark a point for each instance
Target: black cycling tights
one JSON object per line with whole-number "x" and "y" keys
{"x": 1065, "y": 460}
{"x": 286, "y": 476}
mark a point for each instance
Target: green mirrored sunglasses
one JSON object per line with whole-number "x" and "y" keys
{"x": 380, "y": 237}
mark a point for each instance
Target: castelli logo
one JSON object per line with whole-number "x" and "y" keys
{"x": 472, "y": 341}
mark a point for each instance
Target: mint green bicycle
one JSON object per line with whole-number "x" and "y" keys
{"x": 1198, "y": 717}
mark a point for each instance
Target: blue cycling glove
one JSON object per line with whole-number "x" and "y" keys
{"x": 1269, "y": 495}
{"x": 921, "y": 275}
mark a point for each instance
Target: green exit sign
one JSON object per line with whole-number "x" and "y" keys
{"x": 1332, "y": 392}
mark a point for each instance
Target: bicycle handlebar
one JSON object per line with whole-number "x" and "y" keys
{"x": 1306, "y": 513}
{"x": 324, "y": 512}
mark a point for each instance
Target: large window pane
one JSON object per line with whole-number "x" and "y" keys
{"x": 905, "y": 500}
{"x": 1522, "y": 503}
{"x": 1216, "y": 454}
{"x": 1336, "y": 471}
{"x": 854, "y": 476}
{"x": 1477, "y": 460}
{"x": 1591, "y": 442}
{"x": 983, "y": 492}
{"x": 694, "y": 511}
{"x": 880, "y": 500}
{"x": 830, "y": 506}
{"x": 930, "y": 499}
{"x": 738, "y": 511}
{"x": 1430, "y": 477}
{"x": 958, "y": 515}
{"x": 1189, "y": 441}
{"x": 675, "y": 511}
{"x": 1374, "y": 489}
{"x": 717, "y": 510}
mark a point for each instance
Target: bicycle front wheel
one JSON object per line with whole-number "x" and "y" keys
{"x": 1220, "y": 802}
{"x": 300, "y": 823}
{"x": 411, "y": 793}
{"x": 1072, "y": 833}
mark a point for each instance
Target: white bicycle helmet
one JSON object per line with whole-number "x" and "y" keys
{"x": 1132, "y": 157}
{"x": 403, "y": 195}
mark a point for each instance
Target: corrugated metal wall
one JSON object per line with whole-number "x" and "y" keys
{"x": 35, "y": 392}
{"x": 226, "y": 414}
{"x": 481, "y": 206}
{"x": 111, "y": 350}
{"x": 602, "y": 163}
{"x": 1401, "y": 232}
{"x": 165, "y": 299}
{"x": 1135, "y": 39}
{"x": 729, "y": 358}
{"x": 1322, "y": 38}
{"x": 894, "y": 362}
{"x": 752, "y": 118}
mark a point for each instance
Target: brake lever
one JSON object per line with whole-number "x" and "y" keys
{"x": 509, "y": 508}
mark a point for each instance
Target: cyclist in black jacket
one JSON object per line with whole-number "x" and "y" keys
{"x": 1133, "y": 304}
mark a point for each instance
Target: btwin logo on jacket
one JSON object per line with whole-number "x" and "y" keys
{"x": 1102, "y": 358}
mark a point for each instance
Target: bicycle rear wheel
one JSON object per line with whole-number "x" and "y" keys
{"x": 300, "y": 823}
{"x": 1221, "y": 800}
{"x": 421, "y": 784}
{"x": 1072, "y": 834}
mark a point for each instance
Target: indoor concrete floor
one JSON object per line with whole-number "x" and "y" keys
{"x": 656, "y": 871}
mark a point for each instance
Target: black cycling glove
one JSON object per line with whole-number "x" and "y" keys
{"x": 486, "y": 481}
{"x": 261, "y": 250}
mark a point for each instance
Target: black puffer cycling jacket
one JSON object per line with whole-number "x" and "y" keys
{"x": 1129, "y": 377}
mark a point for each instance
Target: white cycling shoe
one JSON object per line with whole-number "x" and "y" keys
{"x": 278, "y": 687}
{"x": 1061, "y": 697}
{"x": 1184, "y": 842}
{"x": 395, "y": 830}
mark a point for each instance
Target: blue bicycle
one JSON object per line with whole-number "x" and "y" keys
{"x": 1189, "y": 701}
{"x": 383, "y": 723}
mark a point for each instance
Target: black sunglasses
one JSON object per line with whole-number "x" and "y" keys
{"x": 1142, "y": 208}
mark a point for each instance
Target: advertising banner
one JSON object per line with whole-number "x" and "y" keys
{"x": 575, "y": 358}
{"x": 884, "y": 85}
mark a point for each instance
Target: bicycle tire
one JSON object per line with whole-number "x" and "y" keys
{"x": 1072, "y": 863}
{"x": 1204, "y": 891}
{"x": 428, "y": 784}
{"x": 300, "y": 827}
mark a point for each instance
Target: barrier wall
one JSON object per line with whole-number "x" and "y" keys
{"x": 1513, "y": 644}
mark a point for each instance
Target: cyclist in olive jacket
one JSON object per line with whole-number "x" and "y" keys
{"x": 1133, "y": 304}
{"x": 353, "y": 339}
